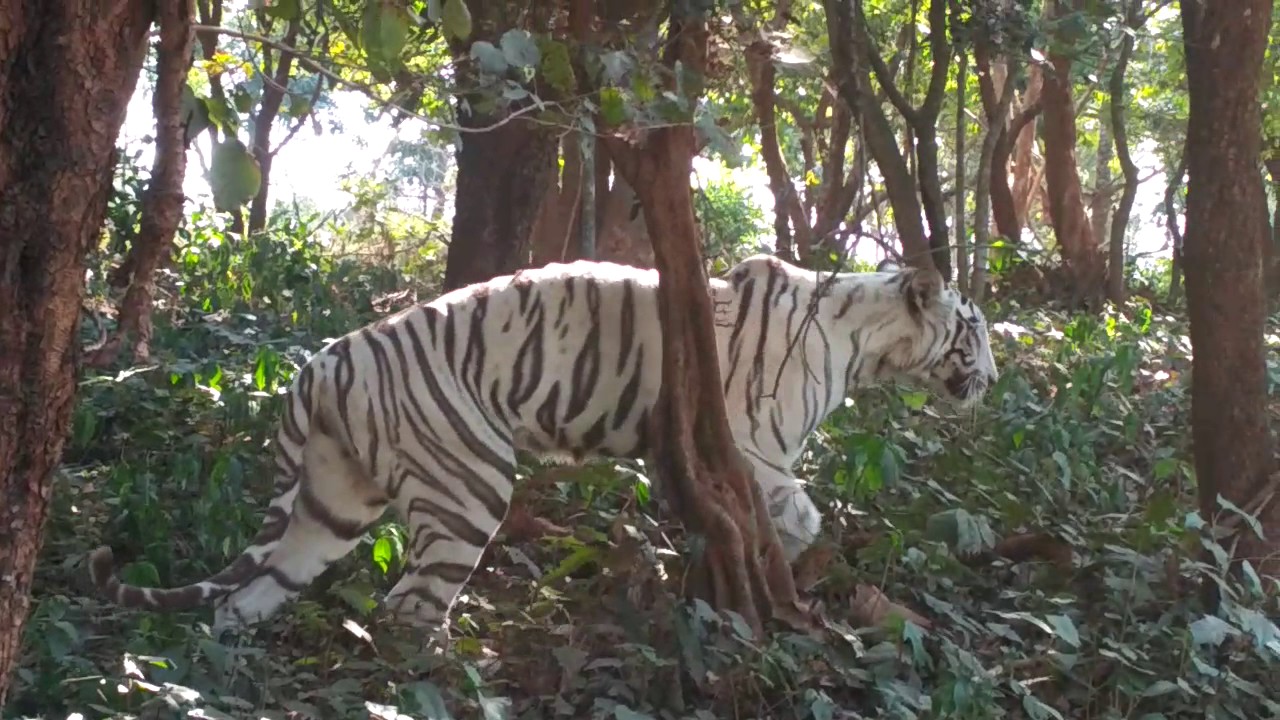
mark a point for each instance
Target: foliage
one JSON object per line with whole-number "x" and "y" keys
{"x": 1083, "y": 441}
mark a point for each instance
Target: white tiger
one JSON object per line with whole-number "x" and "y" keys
{"x": 425, "y": 410}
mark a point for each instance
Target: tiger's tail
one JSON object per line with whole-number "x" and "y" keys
{"x": 290, "y": 442}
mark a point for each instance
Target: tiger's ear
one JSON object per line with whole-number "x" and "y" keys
{"x": 888, "y": 265}
{"x": 923, "y": 288}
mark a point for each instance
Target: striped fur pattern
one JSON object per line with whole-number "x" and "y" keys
{"x": 424, "y": 411}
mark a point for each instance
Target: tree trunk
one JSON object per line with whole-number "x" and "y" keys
{"x": 710, "y": 483}
{"x": 1100, "y": 201}
{"x": 996, "y": 122}
{"x": 503, "y": 174}
{"x": 1026, "y": 178}
{"x": 962, "y": 245}
{"x": 69, "y": 70}
{"x": 1066, "y": 201}
{"x": 1120, "y": 131}
{"x": 786, "y": 200}
{"x": 272, "y": 97}
{"x": 1171, "y": 225}
{"x": 849, "y": 56}
{"x": 1273, "y": 248}
{"x": 1226, "y": 232}
{"x": 1001, "y": 197}
{"x": 162, "y": 205}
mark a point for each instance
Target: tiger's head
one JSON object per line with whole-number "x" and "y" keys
{"x": 945, "y": 345}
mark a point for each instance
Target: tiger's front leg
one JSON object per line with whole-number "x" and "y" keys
{"x": 794, "y": 515}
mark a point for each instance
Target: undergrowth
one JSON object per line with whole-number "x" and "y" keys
{"x": 1049, "y": 537}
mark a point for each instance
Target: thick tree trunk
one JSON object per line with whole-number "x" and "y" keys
{"x": 163, "y": 200}
{"x": 503, "y": 174}
{"x": 1225, "y": 236}
{"x": 67, "y": 71}
{"x": 505, "y": 166}
{"x": 1071, "y": 225}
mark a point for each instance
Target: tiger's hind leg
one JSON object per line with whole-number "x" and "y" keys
{"x": 451, "y": 515}
{"x": 335, "y": 504}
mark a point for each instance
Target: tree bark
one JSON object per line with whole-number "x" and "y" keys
{"x": 1071, "y": 226}
{"x": 849, "y": 54}
{"x": 1026, "y": 178}
{"x": 922, "y": 122}
{"x": 962, "y": 245}
{"x": 505, "y": 165}
{"x": 67, "y": 71}
{"x": 1171, "y": 225}
{"x": 710, "y": 483}
{"x": 1225, "y": 235}
{"x": 162, "y": 204}
{"x": 762, "y": 75}
{"x": 1120, "y": 132}
{"x": 272, "y": 97}
{"x": 503, "y": 174}
{"x": 996, "y": 127}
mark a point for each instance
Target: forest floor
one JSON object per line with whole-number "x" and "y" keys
{"x": 1048, "y": 538}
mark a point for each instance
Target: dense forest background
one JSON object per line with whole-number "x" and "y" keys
{"x": 196, "y": 196}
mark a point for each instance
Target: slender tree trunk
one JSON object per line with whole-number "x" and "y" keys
{"x": 786, "y": 200}
{"x": 849, "y": 56}
{"x": 1071, "y": 226}
{"x": 711, "y": 484}
{"x": 1273, "y": 248}
{"x": 962, "y": 246}
{"x": 1171, "y": 225}
{"x": 162, "y": 204}
{"x": 1120, "y": 131}
{"x": 982, "y": 219}
{"x": 1001, "y": 197}
{"x": 272, "y": 98}
{"x": 1026, "y": 178}
{"x": 1100, "y": 202}
{"x": 68, "y": 71}
{"x": 1226, "y": 233}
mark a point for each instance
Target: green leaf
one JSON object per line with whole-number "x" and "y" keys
{"x": 234, "y": 175}
{"x": 1158, "y": 688}
{"x": 622, "y": 712}
{"x": 384, "y": 29}
{"x": 383, "y": 554}
{"x": 1037, "y": 710}
{"x": 1064, "y": 628}
{"x": 429, "y": 702}
{"x": 613, "y": 108}
{"x": 915, "y": 400}
{"x": 489, "y": 58}
{"x": 556, "y": 66}
{"x": 519, "y": 49}
{"x": 283, "y": 9}
{"x": 456, "y": 19}
{"x": 1210, "y": 630}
